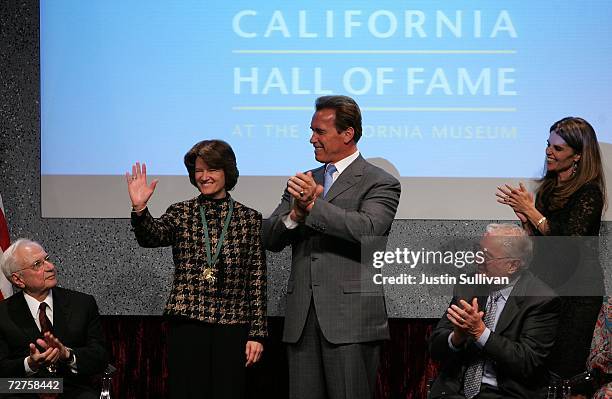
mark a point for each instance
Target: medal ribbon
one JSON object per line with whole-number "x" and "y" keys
{"x": 211, "y": 260}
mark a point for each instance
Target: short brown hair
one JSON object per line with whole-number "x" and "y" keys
{"x": 348, "y": 113}
{"x": 217, "y": 154}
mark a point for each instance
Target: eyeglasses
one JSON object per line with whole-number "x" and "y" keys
{"x": 491, "y": 259}
{"x": 38, "y": 264}
{"x": 487, "y": 257}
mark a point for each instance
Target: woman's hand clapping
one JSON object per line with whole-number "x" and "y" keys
{"x": 519, "y": 199}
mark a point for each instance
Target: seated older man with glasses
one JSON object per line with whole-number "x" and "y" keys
{"x": 494, "y": 341}
{"x": 47, "y": 331}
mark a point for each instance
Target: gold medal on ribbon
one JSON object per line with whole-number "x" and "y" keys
{"x": 211, "y": 260}
{"x": 209, "y": 275}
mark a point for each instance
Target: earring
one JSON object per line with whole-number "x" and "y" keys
{"x": 574, "y": 167}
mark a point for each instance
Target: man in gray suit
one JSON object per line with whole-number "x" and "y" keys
{"x": 335, "y": 317}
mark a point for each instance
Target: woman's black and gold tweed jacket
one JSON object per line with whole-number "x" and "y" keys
{"x": 238, "y": 293}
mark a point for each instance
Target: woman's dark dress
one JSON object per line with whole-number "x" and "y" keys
{"x": 568, "y": 260}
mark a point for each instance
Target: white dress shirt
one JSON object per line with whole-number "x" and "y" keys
{"x": 34, "y": 306}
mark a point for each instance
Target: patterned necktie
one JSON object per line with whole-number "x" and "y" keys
{"x": 329, "y": 179}
{"x": 473, "y": 374}
{"x": 45, "y": 323}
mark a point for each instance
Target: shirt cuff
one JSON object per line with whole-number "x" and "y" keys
{"x": 484, "y": 337}
{"x": 29, "y": 372}
{"x": 290, "y": 223}
{"x": 450, "y": 343}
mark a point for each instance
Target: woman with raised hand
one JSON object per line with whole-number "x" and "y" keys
{"x": 217, "y": 304}
{"x": 568, "y": 204}
{"x": 571, "y": 196}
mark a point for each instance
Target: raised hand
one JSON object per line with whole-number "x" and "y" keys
{"x": 304, "y": 190}
{"x": 302, "y": 187}
{"x": 467, "y": 318}
{"x": 140, "y": 192}
{"x": 519, "y": 199}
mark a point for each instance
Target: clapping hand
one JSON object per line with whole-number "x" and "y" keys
{"x": 467, "y": 320}
{"x": 304, "y": 191}
{"x": 38, "y": 359}
{"x": 51, "y": 341}
{"x": 519, "y": 199}
{"x": 140, "y": 192}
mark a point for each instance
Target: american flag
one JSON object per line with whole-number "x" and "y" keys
{"x": 6, "y": 289}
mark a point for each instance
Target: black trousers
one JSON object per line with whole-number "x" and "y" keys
{"x": 206, "y": 360}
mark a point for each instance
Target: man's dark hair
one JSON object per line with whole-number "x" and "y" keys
{"x": 348, "y": 113}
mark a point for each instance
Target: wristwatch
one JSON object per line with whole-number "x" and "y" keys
{"x": 71, "y": 357}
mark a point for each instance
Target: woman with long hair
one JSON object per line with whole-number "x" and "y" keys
{"x": 567, "y": 209}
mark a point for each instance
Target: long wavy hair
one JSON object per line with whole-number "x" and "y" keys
{"x": 581, "y": 137}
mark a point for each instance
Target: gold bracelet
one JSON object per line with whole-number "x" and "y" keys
{"x": 542, "y": 220}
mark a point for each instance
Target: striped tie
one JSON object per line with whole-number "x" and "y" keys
{"x": 45, "y": 323}
{"x": 473, "y": 374}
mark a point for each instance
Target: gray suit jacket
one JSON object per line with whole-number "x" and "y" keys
{"x": 326, "y": 255}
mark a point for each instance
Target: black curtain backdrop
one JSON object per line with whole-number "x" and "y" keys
{"x": 138, "y": 350}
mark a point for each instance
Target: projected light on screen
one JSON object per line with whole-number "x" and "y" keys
{"x": 448, "y": 90}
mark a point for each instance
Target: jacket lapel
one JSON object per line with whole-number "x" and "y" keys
{"x": 347, "y": 179}
{"x": 513, "y": 305}
{"x": 20, "y": 313}
{"x": 61, "y": 314}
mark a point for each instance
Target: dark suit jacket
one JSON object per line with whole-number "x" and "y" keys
{"x": 519, "y": 347}
{"x": 76, "y": 322}
{"x": 326, "y": 255}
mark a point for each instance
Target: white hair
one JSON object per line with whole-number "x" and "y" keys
{"x": 10, "y": 263}
{"x": 515, "y": 241}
